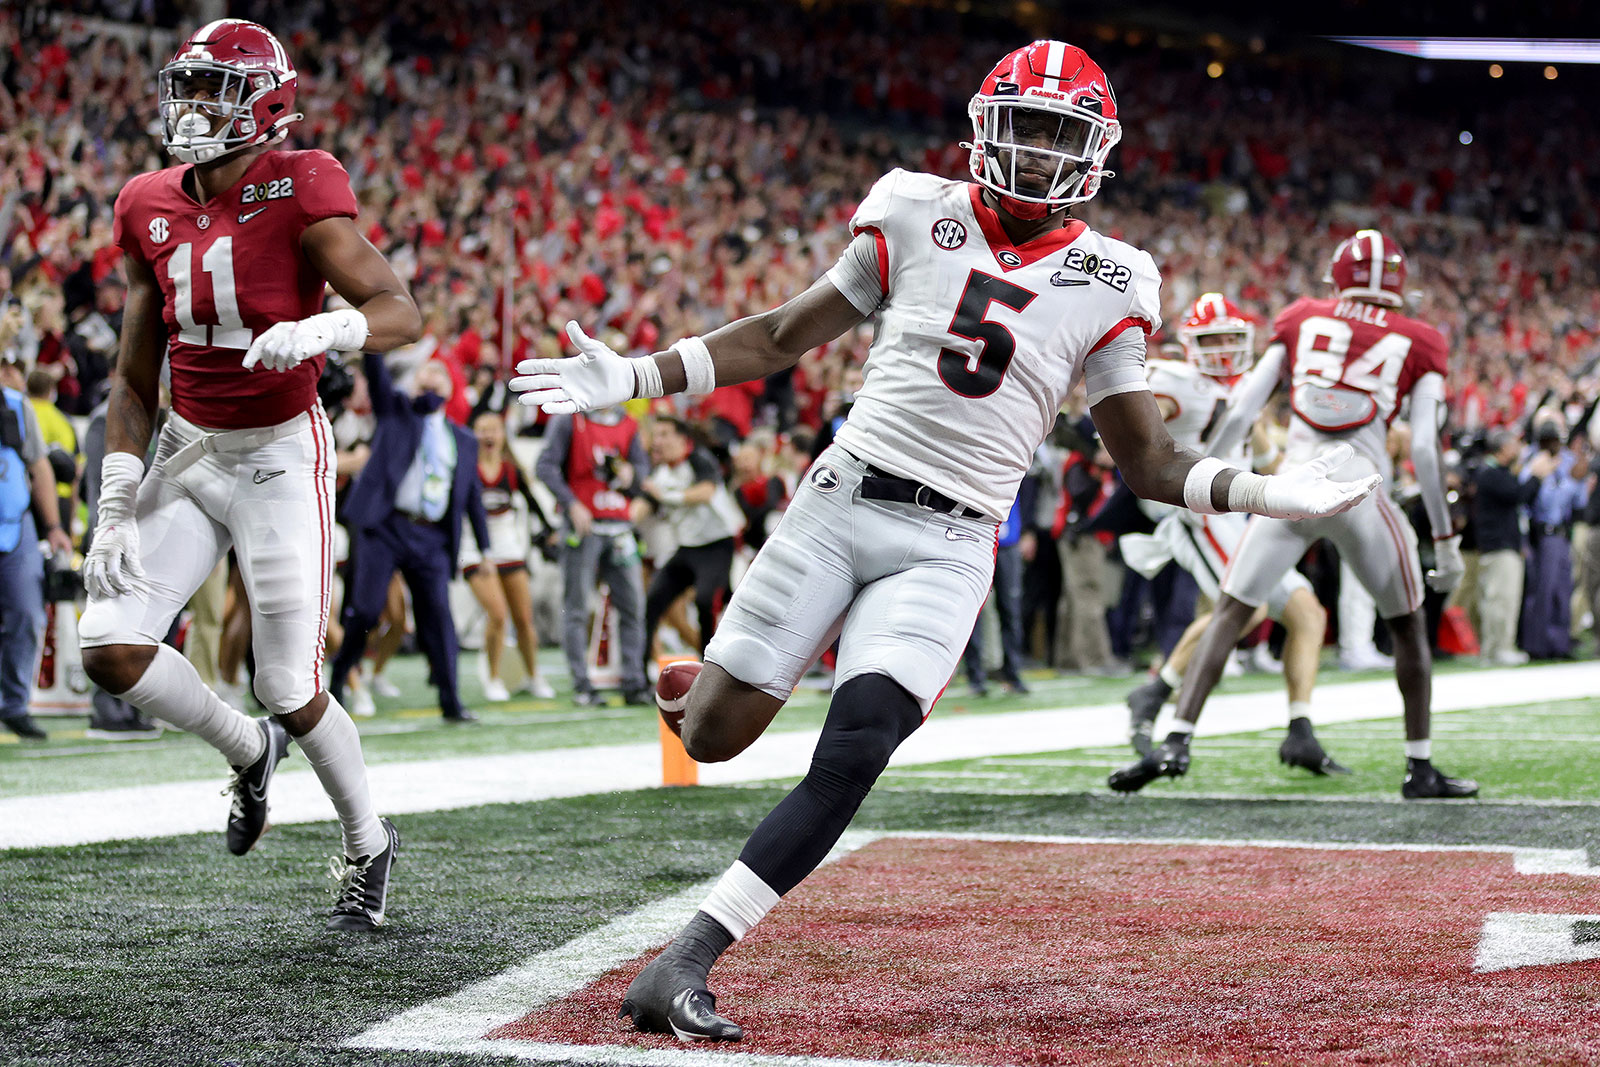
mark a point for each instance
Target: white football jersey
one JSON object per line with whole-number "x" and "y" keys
{"x": 978, "y": 341}
{"x": 1201, "y": 401}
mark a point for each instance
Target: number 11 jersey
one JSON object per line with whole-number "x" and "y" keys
{"x": 979, "y": 341}
{"x": 228, "y": 269}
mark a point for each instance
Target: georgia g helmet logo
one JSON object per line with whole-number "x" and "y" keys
{"x": 824, "y": 478}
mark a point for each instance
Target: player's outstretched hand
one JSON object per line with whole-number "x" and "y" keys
{"x": 286, "y": 345}
{"x": 1448, "y": 566}
{"x": 595, "y": 378}
{"x": 1306, "y": 492}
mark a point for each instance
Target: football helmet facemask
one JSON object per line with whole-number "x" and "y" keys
{"x": 1043, "y": 123}
{"x": 229, "y": 86}
{"x": 1218, "y": 339}
{"x": 1369, "y": 266}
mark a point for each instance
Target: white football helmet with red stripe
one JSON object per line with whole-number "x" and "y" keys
{"x": 1369, "y": 266}
{"x": 229, "y": 86}
{"x": 1218, "y": 339}
{"x": 1043, "y": 123}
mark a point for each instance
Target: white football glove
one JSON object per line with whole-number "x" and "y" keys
{"x": 286, "y": 345}
{"x": 112, "y": 567}
{"x": 595, "y": 378}
{"x": 1305, "y": 492}
{"x": 1448, "y": 566}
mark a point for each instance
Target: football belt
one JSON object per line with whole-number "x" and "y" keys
{"x": 876, "y": 485}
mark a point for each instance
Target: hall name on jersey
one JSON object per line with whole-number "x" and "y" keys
{"x": 1098, "y": 267}
{"x": 1362, "y": 311}
{"x": 260, "y": 192}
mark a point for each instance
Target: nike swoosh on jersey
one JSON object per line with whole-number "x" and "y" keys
{"x": 247, "y": 217}
{"x": 261, "y": 478}
{"x": 956, "y": 535}
{"x": 1060, "y": 279}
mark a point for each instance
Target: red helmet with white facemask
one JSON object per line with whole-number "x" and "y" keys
{"x": 1043, "y": 123}
{"x": 1369, "y": 266}
{"x": 229, "y": 86}
{"x": 1218, "y": 339}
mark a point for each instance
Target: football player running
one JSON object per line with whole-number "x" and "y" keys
{"x": 1349, "y": 360}
{"x": 991, "y": 303}
{"x": 227, "y": 256}
{"x": 1193, "y": 394}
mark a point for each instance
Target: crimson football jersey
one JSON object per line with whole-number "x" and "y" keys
{"x": 1349, "y": 365}
{"x": 229, "y": 269}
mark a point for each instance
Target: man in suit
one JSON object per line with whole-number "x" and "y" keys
{"x": 404, "y": 512}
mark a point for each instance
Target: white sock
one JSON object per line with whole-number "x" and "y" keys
{"x": 170, "y": 690}
{"x": 333, "y": 748}
{"x": 1180, "y": 727}
{"x": 739, "y": 900}
{"x": 1419, "y": 749}
{"x": 1170, "y": 675}
{"x": 1299, "y": 709}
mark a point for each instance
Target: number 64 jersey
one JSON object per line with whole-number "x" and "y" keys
{"x": 979, "y": 341}
{"x": 228, "y": 269}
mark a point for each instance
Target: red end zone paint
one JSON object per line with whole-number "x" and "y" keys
{"x": 972, "y": 952}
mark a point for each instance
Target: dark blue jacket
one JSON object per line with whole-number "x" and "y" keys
{"x": 394, "y": 446}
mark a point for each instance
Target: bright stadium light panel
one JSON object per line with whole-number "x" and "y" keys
{"x": 1498, "y": 49}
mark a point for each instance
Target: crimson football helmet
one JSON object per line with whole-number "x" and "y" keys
{"x": 1043, "y": 123}
{"x": 230, "y": 85}
{"x": 1218, "y": 339}
{"x": 1369, "y": 266}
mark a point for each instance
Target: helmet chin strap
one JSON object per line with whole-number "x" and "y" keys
{"x": 1022, "y": 209}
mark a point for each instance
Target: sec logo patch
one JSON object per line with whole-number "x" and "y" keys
{"x": 824, "y": 478}
{"x": 159, "y": 229}
{"x": 949, "y": 234}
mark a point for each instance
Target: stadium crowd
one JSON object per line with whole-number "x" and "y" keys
{"x": 652, "y": 174}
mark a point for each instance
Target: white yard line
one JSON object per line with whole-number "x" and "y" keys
{"x": 458, "y": 782}
{"x": 459, "y": 1023}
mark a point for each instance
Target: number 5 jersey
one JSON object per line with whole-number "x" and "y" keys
{"x": 228, "y": 269}
{"x": 979, "y": 341}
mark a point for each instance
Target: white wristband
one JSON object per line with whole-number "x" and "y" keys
{"x": 646, "y": 377}
{"x": 350, "y": 329}
{"x": 699, "y": 371}
{"x": 1248, "y": 493}
{"x": 1197, "y": 485}
{"x": 120, "y": 474}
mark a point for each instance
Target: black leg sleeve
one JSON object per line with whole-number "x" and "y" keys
{"x": 869, "y": 717}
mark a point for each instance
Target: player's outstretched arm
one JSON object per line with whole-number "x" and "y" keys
{"x": 742, "y": 351}
{"x": 1157, "y": 468}
{"x": 112, "y": 566}
{"x": 381, "y": 316}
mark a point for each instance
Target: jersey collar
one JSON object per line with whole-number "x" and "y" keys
{"x": 1010, "y": 256}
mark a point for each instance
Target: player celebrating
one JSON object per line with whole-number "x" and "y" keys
{"x": 1193, "y": 395}
{"x": 991, "y": 304}
{"x": 226, "y": 258}
{"x": 1349, "y": 362}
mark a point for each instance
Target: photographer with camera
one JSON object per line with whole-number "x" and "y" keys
{"x": 1502, "y": 488}
{"x": 27, "y": 490}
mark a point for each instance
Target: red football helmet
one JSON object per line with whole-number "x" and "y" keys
{"x": 1218, "y": 339}
{"x": 1043, "y": 123}
{"x": 230, "y": 85}
{"x": 1369, "y": 266}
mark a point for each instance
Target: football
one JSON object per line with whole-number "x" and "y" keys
{"x": 672, "y": 691}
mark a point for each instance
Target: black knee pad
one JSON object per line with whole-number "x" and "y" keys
{"x": 870, "y": 715}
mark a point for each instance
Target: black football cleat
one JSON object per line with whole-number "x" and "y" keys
{"x": 1424, "y": 781}
{"x": 364, "y": 886}
{"x": 670, "y": 997}
{"x": 1170, "y": 759}
{"x": 1144, "y": 704}
{"x": 247, "y": 817}
{"x": 1302, "y": 749}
